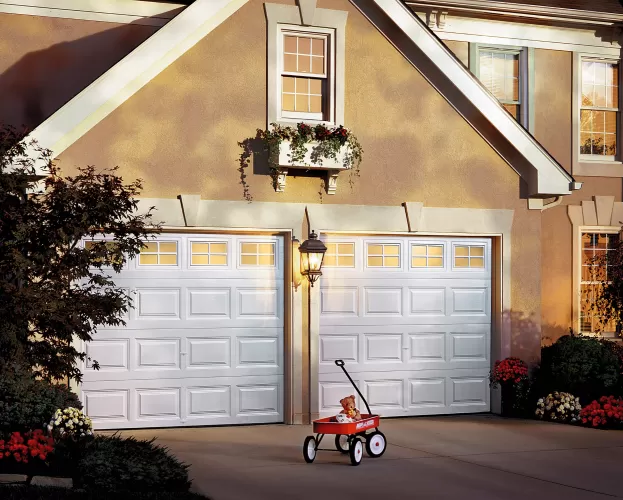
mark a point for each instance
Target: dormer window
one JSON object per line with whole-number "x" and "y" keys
{"x": 306, "y": 51}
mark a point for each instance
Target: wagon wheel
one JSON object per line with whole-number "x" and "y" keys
{"x": 376, "y": 444}
{"x": 355, "y": 451}
{"x": 309, "y": 449}
{"x": 341, "y": 443}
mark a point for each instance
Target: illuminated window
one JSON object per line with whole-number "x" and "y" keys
{"x": 595, "y": 249}
{"x": 426, "y": 255}
{"x": 339, "y": 255}
{"x": 159, "y": 253}
{"x": 208, "y": 253}
{"x": 599, "y": 108}
{"x": 469, "y": 256}
{"x": 257, "y": 254}
{"x": 499, "y": 72}
{"x": 383, "y": 255}
{"x": 304, "y": 75}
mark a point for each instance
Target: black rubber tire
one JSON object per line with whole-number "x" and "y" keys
{"x": 338, "y": 445}
{"x": 355, "y": 451}
{"x": 309, "y": 452}
{"x": 376, "y": 444}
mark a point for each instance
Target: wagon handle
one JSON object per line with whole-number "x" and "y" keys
{"x": 340, "y": 363}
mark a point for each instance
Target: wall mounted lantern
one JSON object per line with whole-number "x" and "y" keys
{"x": 312, "y": 254}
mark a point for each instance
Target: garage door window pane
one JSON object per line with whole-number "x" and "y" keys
{"x": 339, "y": 255}
{"x": 208, "y": 253}
{"x": 257, "y": 254}
{"x": 159, "y": 253}
{"x": 469, "y": 256}
{"x": 426, "y": 255}
{"x": 383, "y": 255}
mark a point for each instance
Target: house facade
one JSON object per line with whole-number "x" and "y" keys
{"x": 491, "y": 172}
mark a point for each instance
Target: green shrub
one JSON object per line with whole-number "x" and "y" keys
{"x": 27, "y": 404}
{"x": 583, "y": 366}
{"x": 116, "y": 464}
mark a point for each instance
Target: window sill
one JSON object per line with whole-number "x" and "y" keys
{"x": 598, "y": 169}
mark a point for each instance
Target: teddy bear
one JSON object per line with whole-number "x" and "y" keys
{"x": 351, "y": 413}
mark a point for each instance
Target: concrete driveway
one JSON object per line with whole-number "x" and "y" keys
{"x": 479, "y": 457}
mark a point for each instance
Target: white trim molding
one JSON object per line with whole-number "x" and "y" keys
{"x": 542, "y": 173}
{"x": 110, "y": 11}
{"x": 306, "y": 17}
{"x": 522, "y": 10}
{"x": 598, "y": 40}
{"x": 602, "y": 214}
{"x": 580, "y": 165}
{"x": 130, "y": 74}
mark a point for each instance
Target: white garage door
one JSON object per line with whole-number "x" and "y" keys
{"x": 203, "y": 344}
{"x": 411, "y": 318}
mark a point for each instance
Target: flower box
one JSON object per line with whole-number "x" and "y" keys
{"x": 332, "y": 166}
{"x": 285, "y": 159}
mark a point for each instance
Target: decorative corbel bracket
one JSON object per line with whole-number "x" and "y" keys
{"x": 282, "y": 174}
{"x": 308, "y": 11}
{"x": 436, "y": 19}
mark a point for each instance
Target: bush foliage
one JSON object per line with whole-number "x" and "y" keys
{"x": 583, "y": 366}
{"x": 28, "y": 404}
{"x": 120, "y": 464}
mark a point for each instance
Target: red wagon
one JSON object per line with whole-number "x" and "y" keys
{"x": 349, "y": 436}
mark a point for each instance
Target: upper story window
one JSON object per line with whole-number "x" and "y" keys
{"x": 599, "y": 109}
{"x": 306, "y": 59}
{"x": 508, "y": 73}
{"x": 499, "y": 72}
{"x": 304, "y": 76}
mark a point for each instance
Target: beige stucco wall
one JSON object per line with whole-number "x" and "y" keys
{"x": 45, "y": 61}
{"x": 459, "y": 49}
{"x": 180, "y": 135}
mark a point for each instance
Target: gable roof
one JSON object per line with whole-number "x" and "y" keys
{"x": 130, "y": 74}
{"x": 542, "y": 173}
{"x": 418, "y": 44}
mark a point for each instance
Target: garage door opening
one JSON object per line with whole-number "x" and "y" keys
{"x": 204, "y": 341}
{"x": 411, "y": 318}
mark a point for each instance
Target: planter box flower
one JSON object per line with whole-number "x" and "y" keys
{"x": 304, "y": 147}
{"x": 309, "y": 162}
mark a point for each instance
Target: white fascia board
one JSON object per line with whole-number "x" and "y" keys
{"x": 112, "y": 11}
{"x": 523, "y": 10}
{"x": 551, "y": 178}
{"x": 130, "y": 74}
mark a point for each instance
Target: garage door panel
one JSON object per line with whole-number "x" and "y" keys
{"x": 416, "y": 339}
{"x": 201, "y": 344}
{"x": 183, "y": 402}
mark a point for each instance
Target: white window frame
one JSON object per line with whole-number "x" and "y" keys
{"x": 329, "y": 74}
{"x": 178, "y": 255}
{"x": 427, "y": 268}
{"x": 337, "y": 254}
{"x": 526, "y": 77}
{"x": 326, "y": 23}
{"x": 469, "y": 257}
{"x": 593, "y": 165}
{"x": 577, "y": 267}
{"x": 384, "y": 243}
{"x": 209, "y": 242}
{"x": 258, "y": 242}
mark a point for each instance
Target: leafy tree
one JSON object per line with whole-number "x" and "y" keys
{"x": 54, "y": 290}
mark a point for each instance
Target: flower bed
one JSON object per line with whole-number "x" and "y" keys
{"x": 607, "y": 412}
{"x": 559, "y": 407}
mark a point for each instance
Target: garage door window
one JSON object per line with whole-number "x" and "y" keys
{"x": 208, "y": 253}
{"x": 340, "y": 255}
{"x": 469, "y": 256}
{"x": 426, "y": 255}
{"x": 383, "y": 255}
{"x": 257, "y": 254}
{"x": 159, "y": 253}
